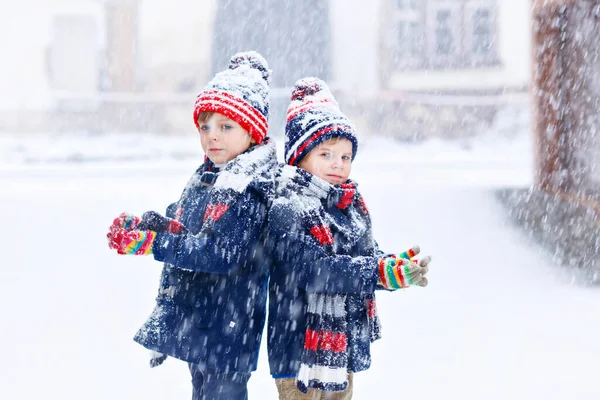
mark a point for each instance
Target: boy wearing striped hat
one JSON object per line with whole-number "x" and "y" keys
{"x": 211, "y": 303}
{"x": 326, "y": 263}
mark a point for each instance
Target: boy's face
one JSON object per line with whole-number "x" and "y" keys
{"x": 223, "y": 139}
{"x": 330, "y": 161}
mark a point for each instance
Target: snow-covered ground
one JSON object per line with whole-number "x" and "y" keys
{"x": 497, "y": 321}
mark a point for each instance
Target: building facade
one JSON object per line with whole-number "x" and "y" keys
{"x": 382, "y": 57}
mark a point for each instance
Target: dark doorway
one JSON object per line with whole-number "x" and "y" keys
{"x": 294, "y": 37}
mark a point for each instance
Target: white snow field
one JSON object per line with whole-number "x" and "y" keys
{"x": 498, "y": 320}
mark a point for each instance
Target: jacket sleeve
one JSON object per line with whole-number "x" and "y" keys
{"x": 378, "y": 255}
{"x": 222, "y": 251}
{"x": 299, "y": 254}
{"x": 170, "y": 213}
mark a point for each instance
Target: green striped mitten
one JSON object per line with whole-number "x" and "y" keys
{"x": 399, "y": 273}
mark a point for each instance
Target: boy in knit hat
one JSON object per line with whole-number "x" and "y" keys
{"x": 211, "y": 303}
{"x": 326, "y": 263}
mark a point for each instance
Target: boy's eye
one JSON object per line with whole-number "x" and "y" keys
{"x": 326, "y": 154}
{"x": 346, "y": 158}
{"x": 226, "y": 127}
{"x": 204, "y": 127}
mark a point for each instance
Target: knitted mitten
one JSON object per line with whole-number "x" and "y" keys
{"x": 400, "y": 272}
{"x": 156, "y": 359}
{"x": 151, "y": 220}
{"x": 125, "y": 221}
{"x": 131, "y": 242}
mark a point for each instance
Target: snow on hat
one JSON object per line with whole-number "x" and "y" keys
{"x": 313, "y": 117}
{"x": 241, "y": 93}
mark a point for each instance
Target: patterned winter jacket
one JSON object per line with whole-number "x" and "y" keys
{"x": 320, "y": 241}
{"x": 211, "y": 304}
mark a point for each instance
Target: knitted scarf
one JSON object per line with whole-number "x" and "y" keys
{"x": 229, "y": 182}
{"x": 324, "y": 360}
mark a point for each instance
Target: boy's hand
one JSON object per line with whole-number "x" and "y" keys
{"x": 131, "y": 242}
{"x": 125, "y": 221}
{"x": 400, "y": 271}
{"x": 151, "y": 220}
{"x": 423, "y": 263}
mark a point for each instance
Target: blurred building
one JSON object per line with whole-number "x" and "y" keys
{"x": 136, "y": 65}
{"x": 445, "y": 67}
{"x": 455, "y": 45}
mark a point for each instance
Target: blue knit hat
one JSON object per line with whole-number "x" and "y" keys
{"x": 313, "y": 117}
{"x": 241, "y": 93}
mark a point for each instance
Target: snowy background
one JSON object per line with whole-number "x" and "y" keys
{"x": 497, "y": 321}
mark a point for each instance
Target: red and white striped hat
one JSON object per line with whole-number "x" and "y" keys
{"x": 241, "y": 93}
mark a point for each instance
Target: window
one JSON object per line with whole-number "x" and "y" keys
{"x": 444, "y": 41}
{"x": 481, "y": 22}
{"x": 480, "y": 29}
{"x": 408, "y": 52}
{"x": 408, "y": 39}
{"x": 443, "y": 33}
{"x": 408, "y": 34}
{"x": 407, "y": 4}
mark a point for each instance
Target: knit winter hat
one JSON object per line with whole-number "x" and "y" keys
{"x": 313, "y": 117}
{"x": 241, "y": 93}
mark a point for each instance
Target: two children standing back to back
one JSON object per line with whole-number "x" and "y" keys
{"x": 241, "y": 212}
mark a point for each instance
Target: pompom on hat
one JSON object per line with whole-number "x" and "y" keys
{"x": 241, "y": 92}
{"x": 313, "y": 117}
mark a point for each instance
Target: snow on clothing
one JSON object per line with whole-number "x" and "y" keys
{"x": 322, "y": 315}
{"x": 210, "y": 307}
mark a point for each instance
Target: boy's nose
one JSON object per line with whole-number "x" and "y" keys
{"x": 212, "y": 134}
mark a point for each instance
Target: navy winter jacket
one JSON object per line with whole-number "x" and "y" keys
{"x": 301, "y": 265}
{"x": 211, "y": 303}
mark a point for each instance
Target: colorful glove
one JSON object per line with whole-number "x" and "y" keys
{"x": 150, "y": 221}
{"x": 125, "y": 221}
{"x": 400, "y": 272}
{"x": 423, "y": 263}
{"x": 131, "y": 242}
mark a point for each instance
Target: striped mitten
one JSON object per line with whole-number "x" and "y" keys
{"x": 125, "y": 221}
{"x": 400, "y": 272}
{"x": 132, "y": 242}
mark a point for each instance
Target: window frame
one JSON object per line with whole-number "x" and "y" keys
{"x": 451, "y": 60}
{"x": 424, "y": 14}
{"x": 480, "y": 59}
{"x": 409, "y": 16}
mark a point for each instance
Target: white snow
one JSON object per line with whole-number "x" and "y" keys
{"x": 497, "y": 321}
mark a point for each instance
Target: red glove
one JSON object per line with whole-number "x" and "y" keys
{"x": 125, "y": 221}
{"x": 131, "y": 242}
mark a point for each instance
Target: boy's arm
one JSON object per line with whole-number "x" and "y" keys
{"x": 219, "y": 252}
{"x": 313, "y": 270}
